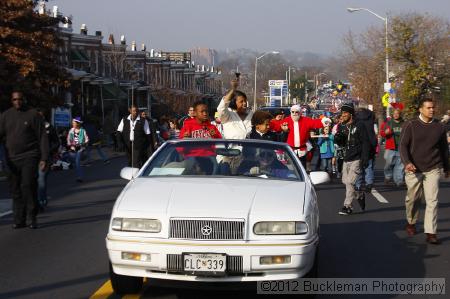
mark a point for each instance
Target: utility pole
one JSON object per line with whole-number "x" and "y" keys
{"x": 306, "y": 87}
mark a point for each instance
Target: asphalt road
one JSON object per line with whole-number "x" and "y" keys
{"x": 66, "y": 256}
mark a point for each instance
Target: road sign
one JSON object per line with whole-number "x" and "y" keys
{"x": 385, "y": 100}
{"x": 61, "y": 117}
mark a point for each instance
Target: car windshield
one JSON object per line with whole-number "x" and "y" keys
{"x": 263, "y": 160}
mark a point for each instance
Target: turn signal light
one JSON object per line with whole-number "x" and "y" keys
{"x": 133, "y": 256}
{"x": 275, "y": 260}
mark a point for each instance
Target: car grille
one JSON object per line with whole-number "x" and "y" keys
{"x": 195, "y": 229}
{"x": 175, "y": 264}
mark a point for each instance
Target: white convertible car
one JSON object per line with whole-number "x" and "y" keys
{"x": 215, "y": 211}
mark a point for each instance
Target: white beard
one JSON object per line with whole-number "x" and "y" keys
{"x": 295, "y": 117}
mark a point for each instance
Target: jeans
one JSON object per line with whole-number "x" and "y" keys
{"x": 75, "y": 157}
{"x": 325, "y": 165}
{"x": 23, "y": 180}
{"x": 99, "y": 151}
{"x": 42, "y": 187}
{"x": 394, "y": 168}
{"x": 367, "y": 174}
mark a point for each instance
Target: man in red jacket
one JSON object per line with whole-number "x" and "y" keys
{"x": 391, "y": 130}
{"x": 299, "y": 128}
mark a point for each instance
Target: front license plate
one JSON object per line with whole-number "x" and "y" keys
{"x": 208, "y": 263}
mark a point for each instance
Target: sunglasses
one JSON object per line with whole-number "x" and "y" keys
{"x": 16, "y": 99}
{"x": 295, "y": 112}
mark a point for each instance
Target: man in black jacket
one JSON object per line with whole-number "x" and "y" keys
{"x": 352, "y": 136}
{"x": 135, "y": 133}
{"x": 26, "y": 150}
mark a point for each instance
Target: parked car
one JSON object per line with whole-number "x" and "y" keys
{"x": 215, "y": 211}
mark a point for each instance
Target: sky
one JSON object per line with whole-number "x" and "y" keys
{"x": 315, "y": 26}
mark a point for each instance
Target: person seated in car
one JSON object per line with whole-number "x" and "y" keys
{"x": 266, "y": 163}
{"x": 261, "y": 128}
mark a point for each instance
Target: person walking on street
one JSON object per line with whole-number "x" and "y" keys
{"x": 26, "y": 152}
{"x": 394, "y": 170}
{"x": 95, "y": 141}
{"x": 135, "y": 134}
{"x": 367, "y": 118}
{"x": 424, "y": 152}
{"x": 77, "y": 140}
{"x": 352, "y": 137}
{"x": 326, "y": 143}
{"x": 53, "y": 145}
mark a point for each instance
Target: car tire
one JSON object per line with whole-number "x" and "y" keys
{"x": 123, "y": 284}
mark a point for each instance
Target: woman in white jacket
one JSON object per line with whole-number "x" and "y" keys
{"x": 234, "y": 113}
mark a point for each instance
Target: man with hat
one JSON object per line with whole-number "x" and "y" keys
{"x": 298, "y": 128}
{"x": 352, "y": 138}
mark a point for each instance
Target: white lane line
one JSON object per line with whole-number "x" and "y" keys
{"x": 5, "y": 213}
{"x": 378, "y": 196}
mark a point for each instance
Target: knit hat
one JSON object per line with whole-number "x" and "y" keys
{"x": 78, "y": 120}
{"x": 348, "y": 107}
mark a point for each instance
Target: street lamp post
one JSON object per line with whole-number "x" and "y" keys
{"x": 316, "y": 82}
{"x": 385, "y": 20}
{"x": 256, "y": 72}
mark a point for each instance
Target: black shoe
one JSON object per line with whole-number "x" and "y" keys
{"x": 369, "y": 188}
{"x": 345, "y": 211}
{"x": 362, "y": 201}
{"x": 79, "y": 180}
{"x": 18, "y": 225}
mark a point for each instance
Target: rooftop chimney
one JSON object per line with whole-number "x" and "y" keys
{"x": 152, "y": 52}
{"x": 83, "y": 29}
{"x": 133, "y": 46}
{"x": 98, "y": 33}
{"x": 111, "y": 39}
{"x": 143, "y": 47}
{"x": 123, "y": 40}
{"x": 55, "y": 11}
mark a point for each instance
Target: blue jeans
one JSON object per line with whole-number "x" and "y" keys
{"x": 75, "y": 157}
{"x": 42, "y": 187}
{"x": 368, "y": 175}
{"x": 325, "y": 164}
{"x": 394, "y": 168}
{"x": 99, "y": 151}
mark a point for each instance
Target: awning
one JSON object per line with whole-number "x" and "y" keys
{"x": 112, "y": 91}
{"x": 76, "y": 74}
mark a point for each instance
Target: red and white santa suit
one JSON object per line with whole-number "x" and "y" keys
{"x": 299, "y": 129}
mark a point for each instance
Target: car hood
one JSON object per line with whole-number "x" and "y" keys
{"x": 214, "y": 197}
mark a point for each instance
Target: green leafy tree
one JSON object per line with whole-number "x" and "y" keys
{"x": 29, "y": 53}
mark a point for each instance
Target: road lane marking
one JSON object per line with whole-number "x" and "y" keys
{"x": 378, "y": 196}
{"x": 103, "y": 292}
{"x": 106, "y": 290}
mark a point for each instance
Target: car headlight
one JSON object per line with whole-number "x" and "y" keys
{"x": 136, "y": 225}
{"x": 280, "y": 228}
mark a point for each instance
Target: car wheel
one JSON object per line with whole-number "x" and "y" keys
{"x": 123, "y": 284}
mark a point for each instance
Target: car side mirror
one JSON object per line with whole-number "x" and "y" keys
{"x": 128, "y": 173}
{"x": 319, "y": 177}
